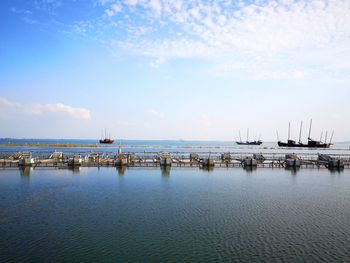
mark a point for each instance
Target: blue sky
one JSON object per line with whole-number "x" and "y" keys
{"x": 176, "y": 69}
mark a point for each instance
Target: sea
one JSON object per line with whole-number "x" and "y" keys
{"x": 45, "y": 147}
{"x": 173, "y": 214}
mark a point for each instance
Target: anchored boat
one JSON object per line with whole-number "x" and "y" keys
{"x": 311, "y": 143}
{"x": 106, "y": 139}
{"x": 250, "y": 143}
{"x": 247, "y": 142}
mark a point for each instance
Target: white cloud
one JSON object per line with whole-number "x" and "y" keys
{"x": 78, "y": 113}
{"x": 294, "y": 74}
{"x": 29, "y": 20}
{"x": 230, "y": 32}
{"x": 20, "y": 11}
{"x": 166, "y": 49}
{"x": 81, "y": 28}
{"x": 297, "y": 38}
{"x": 133, "y": 2}
{"x": 7, "y": 103}
{"x": 47, "y": 5}
{"x": 40, "y": 109}
{"x": 156, "y": 6}
{"x": 103, "y": 2}
{"x": 157, "y": 62}
{"x": 113, "y": 10}
{"x": 33, "y": 109}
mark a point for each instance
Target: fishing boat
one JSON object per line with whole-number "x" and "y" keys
{"x": 247, "y": 142}
{"x": 106, "y": 139}
{"x": 292, "y": 143}
{"x": 311, "y": 143}
{"x": 250, "y": 143}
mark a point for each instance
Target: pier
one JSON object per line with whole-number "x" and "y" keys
{"x": 177, "y": 159}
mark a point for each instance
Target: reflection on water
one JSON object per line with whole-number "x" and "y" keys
{"x": 293, "y": 170}
{"x": 249, "y": 169}
{"x": 74, "y": 169}
{"x": 207, "y": 168}
{"x": 25, "y": 171}
{"x": 165, "y": 169}
{"x": 121, "y": 170}
{"x": 186, "y": 217}
{"x": 336, "y": 170}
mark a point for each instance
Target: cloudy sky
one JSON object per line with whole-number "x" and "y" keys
{"x": 175, "y": 69}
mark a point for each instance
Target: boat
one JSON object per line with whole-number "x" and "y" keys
{"x": 250, "y": 143}
{"x": 106, "y": 140}
{"x": 247, "y": 142}
{"x": 311, "y": 143}
{"x": 317, "y": 144}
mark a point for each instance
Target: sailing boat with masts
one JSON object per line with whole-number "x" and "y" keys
{"x": 247, "y": 142}
{"x": 318, "y": 144}
{"x": 292, "y": 143}
{"x": 106, "y": 139}
{"x": 310, "y": 142}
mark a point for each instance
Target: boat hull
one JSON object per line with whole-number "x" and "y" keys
{"x": 250, "y": 143}
{"x": 106, "y": 141}
{"x": 302, "y": 145}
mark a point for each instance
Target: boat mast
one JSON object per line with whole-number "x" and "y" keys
{"x": 310, "y": 129}
{"x": 240, "y": 138}
{"x": 288, "y": 131}
{"x": 330, "y": 140}
{"x": 301, "y": 126}
{"x": 248, "y": 135}
{"x": 278, "y": 138}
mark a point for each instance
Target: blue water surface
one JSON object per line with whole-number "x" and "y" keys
{"x": 176, "y": 215}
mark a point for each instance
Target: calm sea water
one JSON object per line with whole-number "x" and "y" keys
{"x": 152, "y": 146}
{"x": 177, "y": 215}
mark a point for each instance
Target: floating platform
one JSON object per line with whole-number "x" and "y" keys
{"x": 188, "y": 159}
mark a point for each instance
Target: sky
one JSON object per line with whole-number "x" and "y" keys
{"x": 175, "y": 69}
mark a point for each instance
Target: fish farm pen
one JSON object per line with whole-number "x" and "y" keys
{"x": 176, "y": 159}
